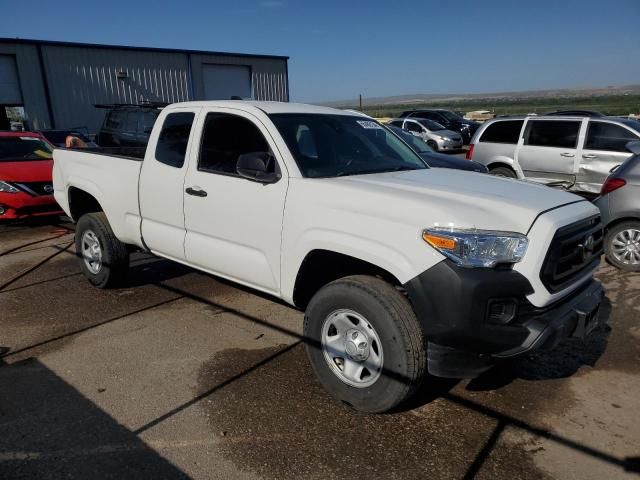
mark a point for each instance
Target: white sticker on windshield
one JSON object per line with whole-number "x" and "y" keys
{"x": 30, "y": 138}
{"x": 368, "y": 124}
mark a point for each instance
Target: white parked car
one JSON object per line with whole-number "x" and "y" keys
{"x": 400, "y": 269}
{"x": 435, "y": 135}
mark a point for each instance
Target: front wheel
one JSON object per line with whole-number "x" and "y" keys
{"x": 433, "y": 145}
{"x": 104, "y": 259}
{"x": 622, "y": 246}
{"x": 364, "y": 343}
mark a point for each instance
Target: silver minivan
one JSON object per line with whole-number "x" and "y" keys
{"x": 576, "y": 153}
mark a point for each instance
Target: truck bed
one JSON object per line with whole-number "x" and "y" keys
{"x": 111, "y": 178}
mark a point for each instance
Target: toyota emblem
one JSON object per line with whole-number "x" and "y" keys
{"x": 588, "y": 248}
{"x": 48, "y": 188}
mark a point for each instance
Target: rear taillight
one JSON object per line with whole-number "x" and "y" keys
{"x": 611, "y": 184}
{"x": 469, "y": 154}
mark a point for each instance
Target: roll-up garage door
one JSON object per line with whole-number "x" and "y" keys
{"x": 9, "y": 85}
{"x": 221, "y": 82}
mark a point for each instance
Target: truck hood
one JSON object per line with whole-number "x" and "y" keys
{"x": 26, "y": 171}
{"x": 450, "y": 198}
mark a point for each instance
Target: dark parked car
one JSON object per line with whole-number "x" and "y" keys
{"x": 58, "y": 137}
{"x": 433, "y": 159}
{"x": 448, "y": 119}
{"x": 619, "y": 205}
{"x": 127, "y": 125}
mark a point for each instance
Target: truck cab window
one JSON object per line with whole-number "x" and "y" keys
{"x": 173, "y": 139}
{"x": 224, "y": 138}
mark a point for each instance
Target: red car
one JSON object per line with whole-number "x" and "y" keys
{"x": 25, "y": 176}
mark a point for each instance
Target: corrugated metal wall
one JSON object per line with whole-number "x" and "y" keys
{"x": 268, "y": 75}
{"x": 31, "y": 84}
{"x": 81, "y": 77}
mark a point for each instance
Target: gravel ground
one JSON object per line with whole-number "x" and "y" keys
{"x": 183, "y": 375}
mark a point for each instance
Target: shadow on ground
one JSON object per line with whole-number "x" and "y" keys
{"x": 50, "y": 430}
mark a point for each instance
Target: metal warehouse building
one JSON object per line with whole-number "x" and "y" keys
{"x": 57, "y": 83}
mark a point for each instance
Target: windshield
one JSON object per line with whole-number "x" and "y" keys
{"x": 15, "y": 149}
{"x": 338, "y": 145}
{"x": 452, "y": 117}
{"x": 413, "y": 141}
{"x": 431, "y": 125}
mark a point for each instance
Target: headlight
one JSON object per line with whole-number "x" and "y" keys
{"x": 477, "y": 248}
{"x": 7, "y": 187}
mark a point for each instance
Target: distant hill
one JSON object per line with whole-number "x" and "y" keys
{"x": 422, "y": 98}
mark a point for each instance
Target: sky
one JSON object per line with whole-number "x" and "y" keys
{"x": 339, "y": 49}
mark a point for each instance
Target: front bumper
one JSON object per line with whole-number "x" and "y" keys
{"x": 14, "y": 206}
{"x": 454, "y": 306}
{"x": 449, "y": 145}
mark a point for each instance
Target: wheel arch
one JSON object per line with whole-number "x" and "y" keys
{"x": 81, "y": 202}
{"x": 617, "y": 221}
{"x": 321, "y": 266}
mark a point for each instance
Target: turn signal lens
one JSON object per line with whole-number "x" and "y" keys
{"x": 439, "y": 242}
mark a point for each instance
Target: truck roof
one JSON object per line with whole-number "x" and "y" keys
{"x": 267, "y": 107}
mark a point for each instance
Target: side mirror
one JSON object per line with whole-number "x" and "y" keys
{"x": 258, "y": 167}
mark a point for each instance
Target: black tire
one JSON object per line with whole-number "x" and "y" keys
{"x": 403, "y": 345}
{"x": 608, "y": 245}
{"x": 503, "y": 172}
{"x": 433, "y": 145}
{"x": 115, "y": 256}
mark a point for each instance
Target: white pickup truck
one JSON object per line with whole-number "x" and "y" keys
{"x": 401, "y": 269}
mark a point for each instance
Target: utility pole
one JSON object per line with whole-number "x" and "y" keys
{"x": 360, "y": 102}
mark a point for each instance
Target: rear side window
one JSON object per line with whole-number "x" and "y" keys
{"x": 131, "y": 124}
{"x": 146, "y": 121}
{"x": 173, "y": 139}
{"x": 507, "y": 131}
{"x": 609, "y": 137}
{"x": 225, "y": 137}
{"x": 413, "y": 127}
{"x": 115, "y": 119}
{"x": 552, "y": 133}
{"x": 397, "y": 123}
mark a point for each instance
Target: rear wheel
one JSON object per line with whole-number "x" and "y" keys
{"x": 365, "y": 343}
{"x": 503, "y": 172}
{"x": 622, "y": 246}
{"x": 103, "y": 258}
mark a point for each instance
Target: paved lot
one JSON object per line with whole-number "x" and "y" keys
{"x": 183, "y": 375}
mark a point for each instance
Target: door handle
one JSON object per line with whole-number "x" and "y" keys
{"x": 589, "y": 155}
{"x": 196, "y": 192}
{"x": 567, "y": 154}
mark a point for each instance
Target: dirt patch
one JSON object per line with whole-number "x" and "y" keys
{"x": 297, "y": 430}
